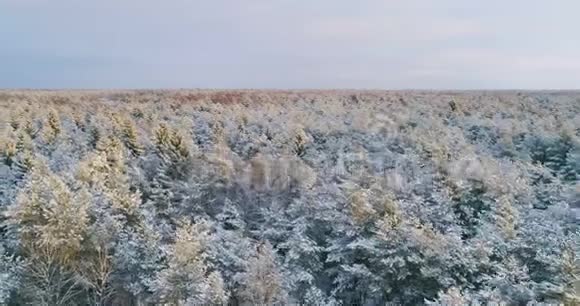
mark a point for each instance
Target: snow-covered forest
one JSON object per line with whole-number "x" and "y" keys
{"x": 286, "y": 197}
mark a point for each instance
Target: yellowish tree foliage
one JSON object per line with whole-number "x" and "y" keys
{"x": 50, "y": 216}
{"x": 130, "y": 137}
{"x": 571, "y": 269}
{"x": 506, "y": 217}
{"x": 15, "y": 119}
{"x": 299, "y": 142}
{"x": 262, "y": 280}
{"x": 8, "y": 151}
{"x": 391, "y": 212}
{"x": 175, "y": 152}
{"x": 222, "y": 163}
{"x": 106, "y": 171}
{"x": 52, "y": 127}
{"x": 186, "y": 278}
{"x": 112, "y": 149}
{"x": 360, "y": 208}
{"x": 219, "y": 133}
{"x": 24, "y": 142}
{"x": 29, "y": 128}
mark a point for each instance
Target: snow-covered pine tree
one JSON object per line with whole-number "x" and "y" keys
{"x": 130, "y": 137}
{"x": 187, "y": 278}
{"x": 299, "y": 142}
{"x": 296, "y": 231}
{"x": 24, "y": 142}
{"x": 262, "y": 283}
{"x": 229, "y": 247}
{"x": 50, "y": 222}
{"x": 94, "y": 136}
{"x": 9, "y": 151}
{"x": 570, "y": 172}
{"x": 52, "y": 127}
{"x": 106, "y": 174}
{"x": 173, "y": 188}
{"x": 354, "y": 251}
{"x": 471, "y": 205}
{"x": 11, "y": 268}
{"x": 174, "y": 152}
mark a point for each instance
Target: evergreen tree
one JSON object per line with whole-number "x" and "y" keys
{"x": 30, "y": 129}
{"x": 138, "y": 258}
{"x": 8, "y": 152}
{"x": 50, "y": 222}
{"x": 187, "y": 279}
{"x": 299, "y": 142}
{"x": 262, "y": 281}
{"x": 471, "y": 205}
{"x": 11, "y": 269}
{"x": 571, "y": 170}
{"x": 229, "y": 247}
{"x": 24, "y": 143}
{"x": 129, "y": 136}
{"x": 94, "y": 136}
{"x": 52, "y": 128}
{"x": 106, "y": 173}
{"x": 394, "y": 201}
{"x": 174, "y": 153}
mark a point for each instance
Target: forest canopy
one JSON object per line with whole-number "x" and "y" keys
{"x": 289, "y": 197}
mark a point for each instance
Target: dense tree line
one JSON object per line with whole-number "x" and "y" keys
{"x": 274, "y": 198}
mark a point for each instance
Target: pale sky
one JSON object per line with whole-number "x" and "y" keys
{"x": 442, "y": 44}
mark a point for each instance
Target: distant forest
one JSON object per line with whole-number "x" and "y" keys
{"x": 200, "y": 197}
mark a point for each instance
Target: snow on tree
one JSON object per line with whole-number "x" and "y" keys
{"x": 50, "y": 222}
{"x": 249, "y": 197}
{"x": 187, "y": 278}
{"x": 261, "y": 284}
